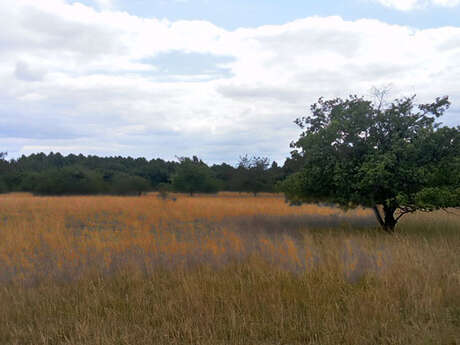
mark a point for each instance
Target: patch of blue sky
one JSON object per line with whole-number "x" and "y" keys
{"x": 232, "y": 14}
{"x": 178, "y": 63}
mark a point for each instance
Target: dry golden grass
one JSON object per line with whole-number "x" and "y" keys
{"x": 227, "y": 269}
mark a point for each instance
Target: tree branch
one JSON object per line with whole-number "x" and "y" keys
{"x": 402, "y": 214}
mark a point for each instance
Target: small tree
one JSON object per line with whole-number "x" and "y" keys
{"x": 194, "y": 176}
{"x": 393, "y": 158}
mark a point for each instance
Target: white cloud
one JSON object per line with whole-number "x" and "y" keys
{"x": 89, "y": 78}
{"x": 446, "y": 3}
{"x": 407, "y": 5}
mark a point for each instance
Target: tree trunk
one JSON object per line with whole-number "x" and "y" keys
{"x": 388, "y": 221}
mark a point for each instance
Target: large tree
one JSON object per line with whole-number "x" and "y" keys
{"x": 394, "y": 158}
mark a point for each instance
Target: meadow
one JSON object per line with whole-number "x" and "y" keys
{"x": 222, "y": 269}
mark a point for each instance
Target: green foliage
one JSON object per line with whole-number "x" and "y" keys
{"x": 252, "y": 174}
{"x": 3, "y": 169}
{"x": 68, "y": 181}
{"x": 124, "y": 184}
{"x": 397, "y": 158}
{"x": 40, "y": 173}
{"x": 227, "y": 176}
{"x": 194, "y": 176}
{"x": 157, "y": 171}
{"x": 3, "y": 186}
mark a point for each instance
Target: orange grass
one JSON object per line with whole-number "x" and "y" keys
{"x": 226, "y": 269}
{"x": 47, "y": 235}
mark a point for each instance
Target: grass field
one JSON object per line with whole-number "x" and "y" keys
{"x": 226, "y": 269}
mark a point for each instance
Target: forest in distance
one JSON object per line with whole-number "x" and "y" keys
{"x": 56, "y": 174}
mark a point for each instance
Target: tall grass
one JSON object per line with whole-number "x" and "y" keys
{"x": 228, "y": 269}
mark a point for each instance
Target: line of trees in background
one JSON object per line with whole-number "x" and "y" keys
{"x": 56, "y": 174}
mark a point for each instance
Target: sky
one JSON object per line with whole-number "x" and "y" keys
{"x": 212, "y": 78}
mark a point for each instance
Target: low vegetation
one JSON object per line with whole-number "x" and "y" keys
{"x": 226, "y": 269}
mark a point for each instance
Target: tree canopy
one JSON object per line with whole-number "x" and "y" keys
{"x": 194, "y": 176}
{"x": 252, "y": 174}
{"x": 396, "y": 159}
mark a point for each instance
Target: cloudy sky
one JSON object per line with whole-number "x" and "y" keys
{"x": 213, "y": 78}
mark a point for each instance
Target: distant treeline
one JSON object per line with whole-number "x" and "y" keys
{"x": 55, "y": 174}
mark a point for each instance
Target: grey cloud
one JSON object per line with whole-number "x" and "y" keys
{"x": 241, "y": 92}
{"x": 373, "y": 71}
{"x": 51, "y": 32}
{"x": 12, "y": 37}
{"x": 450, "y": 44}
{"x": 338, "y": 77}
{"x": 225, "y": 147}
{"x": 452, "y": 117}
{"x": 26, "y": 73}
{"x": 21, "y": 126}
{"x": 54, "y": 121}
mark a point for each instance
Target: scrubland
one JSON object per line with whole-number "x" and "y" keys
{"x": 225, "y": 269}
